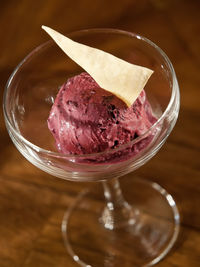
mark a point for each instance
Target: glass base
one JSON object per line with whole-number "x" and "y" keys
{"x": 143, "y": 242}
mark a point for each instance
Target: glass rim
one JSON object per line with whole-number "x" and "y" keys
{"x": 110, "y": 150}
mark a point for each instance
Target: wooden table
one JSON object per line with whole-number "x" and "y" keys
{"x": 32, "y": 202}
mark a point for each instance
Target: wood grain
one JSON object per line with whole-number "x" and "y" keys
{"x": 32, "y": 202}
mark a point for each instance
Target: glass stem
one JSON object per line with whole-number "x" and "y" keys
{"x": 117, "y": 212}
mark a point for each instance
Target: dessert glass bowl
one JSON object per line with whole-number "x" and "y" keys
{"x": 134, "y": 228}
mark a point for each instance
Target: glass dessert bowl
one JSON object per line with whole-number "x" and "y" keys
{"x": 136, "y": 226}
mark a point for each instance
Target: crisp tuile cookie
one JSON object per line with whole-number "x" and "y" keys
{"x": 123, "y": 79}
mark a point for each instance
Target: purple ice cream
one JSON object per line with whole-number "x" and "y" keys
{"x": 87, "y": 119}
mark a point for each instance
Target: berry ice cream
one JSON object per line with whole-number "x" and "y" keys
{"x": 86, "y": 119}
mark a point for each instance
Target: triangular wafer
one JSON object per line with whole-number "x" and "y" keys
{"x": 113, "y": 74}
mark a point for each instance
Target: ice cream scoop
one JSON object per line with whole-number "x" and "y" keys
{"x": 87, "y": 119}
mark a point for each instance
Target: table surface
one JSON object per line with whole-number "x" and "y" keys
{"x": 32, "y": 202}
